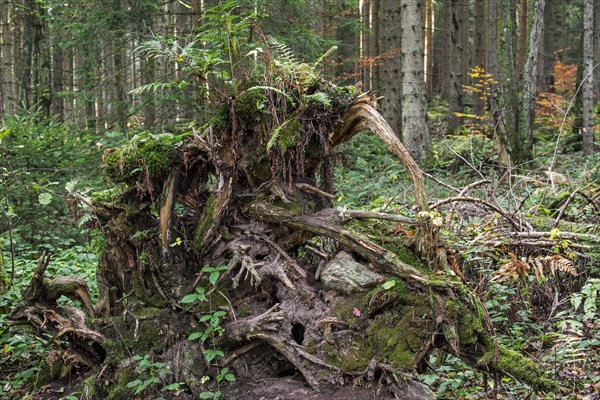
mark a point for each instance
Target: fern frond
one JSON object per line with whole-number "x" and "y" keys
{"x": 318, "y": 97}
{"x": 276, "y": 90}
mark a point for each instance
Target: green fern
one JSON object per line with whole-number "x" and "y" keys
{"x": 276, "y": 90}
{"x": 318, "y": 97}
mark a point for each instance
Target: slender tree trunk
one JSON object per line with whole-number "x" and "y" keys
{"x": 57, "y": 107}
{"x": 26, "y": 64}
{"x": 415, "y": 132}
{"x": 9, "y": 95}
{"x": 508, "y": 88}
{"x": 446, "y": 49}
{"x": 522, "y": 146}
{"x": 546, "y": 75}
{"x": 492, "y": 39}
{"x": 365, "y": 44}
{"x": 455, "y": 104}
{"x": 429, "y": 14}
{"x": 596, "y": 40}
{"x": 481, "y": 50}
{"x": 375, "y": 14}
{"x": 391, "y": 66}
{"x": 588, "y": 78}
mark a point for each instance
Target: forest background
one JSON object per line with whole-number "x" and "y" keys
{"x": 502, "y": 93}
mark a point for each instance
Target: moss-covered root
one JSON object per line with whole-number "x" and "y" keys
{"x": 522, "y": 368}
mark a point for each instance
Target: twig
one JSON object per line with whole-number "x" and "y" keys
{"x": 305, "y": 187}
{"x": 463, "y": 192}
{"x": 444, "y": 184}
{"x": 480, "y": 201}
{"x": 532, "y": 243}
{"x": 564, "y": 207}
{"x": 358, "y": 214}
{"x": 562, "y": 235}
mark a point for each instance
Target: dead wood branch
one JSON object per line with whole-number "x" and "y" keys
{"x": 561, "y": 235}
{"x": 517, "y": 225}
{"x": 361, "y": 116}
{"x": 358, "y": 214}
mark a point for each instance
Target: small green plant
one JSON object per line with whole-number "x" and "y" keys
{"x": 150, "y": 373}
{"x": 212, "y": 321}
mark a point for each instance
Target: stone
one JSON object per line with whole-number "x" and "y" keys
{"x": 346, "y": 275}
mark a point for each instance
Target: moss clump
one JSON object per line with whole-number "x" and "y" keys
{"x": 524, "y": 369}
{"x": 120, "y": 390}
{"x": 290, "y": 134}
{"x": 250, "y": 105}
{"x": 146, "y": 160}
{"x": 205, "y": 223}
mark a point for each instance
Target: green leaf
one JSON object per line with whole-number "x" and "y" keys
{"x": 229, "y": 377}
{"x": 214, "y": 276}
{"x": 389, "y": 284}
{"x": 190, "y": 298}
{"x": 134, "y": 383}
{"x": 194, "y": 336}
{"x": 206, "y": 395}
{"x": 45, "y": 198}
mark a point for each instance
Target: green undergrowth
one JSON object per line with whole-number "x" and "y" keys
{"x": 541, "y": 317}
{"x": 23, "y": 352}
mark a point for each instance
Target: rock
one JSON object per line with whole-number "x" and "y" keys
{"x": 346, "y": 275}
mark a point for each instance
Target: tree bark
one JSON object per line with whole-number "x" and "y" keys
{"x": 9, "y": 93}
{"x": 456, "y": 66}
{"x": 480, "y": 41}
{"x": 506, "y": 132}
{"x": 522, "y": 149}
{"x": 415, "y": 131}
{"x": 428, "y": 37}
{"x": 588, "y": 78}
{"x": 391, "y": 64}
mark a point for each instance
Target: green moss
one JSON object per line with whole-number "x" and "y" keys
{"x": 382, "y": 233}
{"x": 89, "y": 386}
{"x": 357, "y": 357}
{"x": 205, "y": 223}
{"x": 147, "y": 158}
{"x": 220, "y": 120}
{"x": 290, "y": 134}
{"x": 120, "y": 390}
{"x": 249, "y": 106}
{"x": 523, "y": 369}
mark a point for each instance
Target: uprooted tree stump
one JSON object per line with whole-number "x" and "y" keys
{"x": 303, "y": 287}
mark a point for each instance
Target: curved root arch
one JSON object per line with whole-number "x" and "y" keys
{"x": 362, "y": 115}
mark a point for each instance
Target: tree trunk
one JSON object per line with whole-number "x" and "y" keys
{"x": 375, "y": 14}
{"x": 506, "y": 131}
{"x": 596, "y": 40}
{"x": 445, "y": 41}
{"x": 588, "y": 78}
{"x": 58, "y": 99}
{"x": 492, "y": 39}
{"x": 546, "y": 61}
{"x": 366, "y": 51}
{"x": 522, "y": 32}
{"x": 391, "y": 65}
{"x": 455, "y": 104}
{"x": 481, "y": 50}
{"x": 415, "y": 131}
{"x": 522, "y": 145}
{"x": 429, "y": 14}
{"x": 9, "y": 93}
